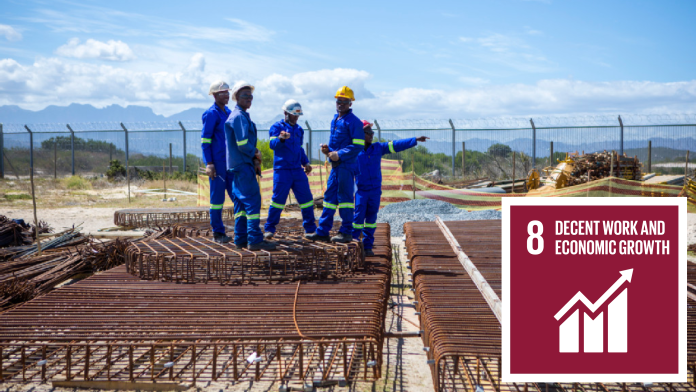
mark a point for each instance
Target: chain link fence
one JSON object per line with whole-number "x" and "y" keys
{"x": 484, "y": 148}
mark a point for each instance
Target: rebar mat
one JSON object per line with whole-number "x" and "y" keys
{"x": 161, "y": 217}
{"x": 461, "y": 332}
{"x": 113, "y": 326}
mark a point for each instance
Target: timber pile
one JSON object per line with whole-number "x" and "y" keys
{"x": 17, "y": 234}
{"x": 598, "y": 166}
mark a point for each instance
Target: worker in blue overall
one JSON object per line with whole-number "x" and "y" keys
{"x": 345, "y": 143}
{"x": 369, "y": 183}
{"x": 244, "y": 162}
{"x": 290, "y": 169}
{"x": 215, "y": 158}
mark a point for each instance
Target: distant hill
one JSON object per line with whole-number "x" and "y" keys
{"x": 78, "y": 113}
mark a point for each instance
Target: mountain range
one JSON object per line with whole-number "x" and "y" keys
{"x": 13, "y": 114}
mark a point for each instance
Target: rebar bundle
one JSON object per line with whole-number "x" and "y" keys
{"x": 161, "y": 217}
{"x": 115, "y": 327}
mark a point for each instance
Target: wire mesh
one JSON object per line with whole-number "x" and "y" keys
{"x": 488, "y": 142}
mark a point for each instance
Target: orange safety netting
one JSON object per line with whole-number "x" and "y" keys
{"x": 398, "y": 186}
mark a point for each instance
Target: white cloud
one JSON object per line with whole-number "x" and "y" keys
{"x": 509, "y": 51}
{"x": 10, "y": 33}
{"x": 110, "y": 50}
{"x": 58, "y": 81}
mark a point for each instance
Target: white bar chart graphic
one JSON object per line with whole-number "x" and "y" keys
{"x": 593, "y": 328}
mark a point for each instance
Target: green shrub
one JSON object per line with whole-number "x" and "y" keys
{"x": 116, "y": 170}
{"x": 17, "y": 196}
{"x": 77, "y": 182}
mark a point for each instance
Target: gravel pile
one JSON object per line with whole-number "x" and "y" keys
{"x": 424, "y": 210}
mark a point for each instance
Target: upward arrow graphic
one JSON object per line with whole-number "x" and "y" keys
{"x": 625, "y": 277}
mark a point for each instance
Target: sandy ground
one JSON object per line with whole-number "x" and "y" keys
{"x": 92, "y": 219}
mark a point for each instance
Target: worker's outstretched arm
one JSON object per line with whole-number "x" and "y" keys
{"x": 276, "y": 142}
{"x": 398, "y": 145}
{"x": 358, "y": 141}
{"x": 209, "y": 120}
{"x": 241, "y": 133}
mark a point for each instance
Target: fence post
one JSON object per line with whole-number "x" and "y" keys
{"x": 184, "y": 130}
{"x": 127, "y": 167}
{"x": 55, "y": 158}
{"x": 379, "y": 132}
{"x": 310, "y": 141}
{"x": 551, "y": 162}
{"x": 649, "y": 156}
{"x": 686, "y": 167}
{"x": 463, "y": 158}
{"x": 533, "y": 143}
{"x": 2, "y": 152}
{"x": 622, "y": 144}
{"x": 72, "y": 148}
{"x": 170, "y": 159}
{"x": 454, "y": 147}
{"x": 31, "y": 151}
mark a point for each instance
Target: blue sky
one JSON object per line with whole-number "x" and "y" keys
{"x": 461, "y": 59}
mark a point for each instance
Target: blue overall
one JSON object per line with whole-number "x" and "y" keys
{"x": 215, "y": 152}
{"x": 369, "y": 183}
{"x": 347, "y": 139}
{"x": 240, "y": 133}
{"x": 288, "y": 173}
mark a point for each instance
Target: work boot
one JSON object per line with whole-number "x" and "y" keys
{"x": 369, "y": 253}
{"x": 263, "y": 245}
{"x": 342, "y": 238}
{"x": 268, "y": 235}
{"x": 221, "y": 238}
{"x": 243, "y": 245}
{"x": 317, "y": 237}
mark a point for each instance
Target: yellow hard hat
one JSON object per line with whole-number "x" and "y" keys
{"x": 345, "y": 92}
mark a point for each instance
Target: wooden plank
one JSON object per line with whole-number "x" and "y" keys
{"x": 488, "y": 294}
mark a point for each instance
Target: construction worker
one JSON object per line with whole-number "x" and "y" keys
{"x": 369, "y": 183}
{"x": 290, "y": 169}
{"x": 243, "y": 160}
{"x": 345, "y": 143}
{"x": 215, "y": 158}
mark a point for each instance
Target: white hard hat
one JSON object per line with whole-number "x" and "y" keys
{"x": 218, "y": 86}
{"x": 292, "y": 107}
{"x": 238, "y": 86}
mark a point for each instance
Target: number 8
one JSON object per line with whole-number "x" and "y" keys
{"x": 533, "y": 235}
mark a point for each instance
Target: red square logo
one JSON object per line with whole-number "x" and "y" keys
{"x": 594, "y": 290}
